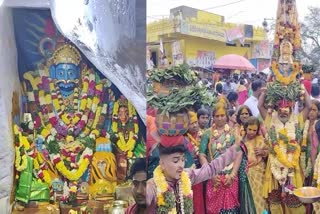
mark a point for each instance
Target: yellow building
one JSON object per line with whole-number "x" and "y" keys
{"x": 198, "y": 38}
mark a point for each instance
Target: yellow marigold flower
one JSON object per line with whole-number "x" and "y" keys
{"x": 96, "y": 100}
{"x": 95, "y": 132}
{"x": 73, "y": 189}
{"x": 70, "y": 139}
{"x": 89, "y": 103}
{"x": 24, "y": 141}
{"x": 36, "y": 164}
{"x": 161, "y": 200}
{"x": 75, "y": 120}
{"x": 56, "y": 103}
{"x": 48, "y": 98}
{"x": 99, "y": 87}
{"x": 83, "y": 104}
{"x": 85, "y": 86}
{"x": 65, "y": 119}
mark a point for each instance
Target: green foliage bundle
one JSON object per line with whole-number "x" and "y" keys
{"x": 276, "y": 91}
{"x": 181, "y": 73}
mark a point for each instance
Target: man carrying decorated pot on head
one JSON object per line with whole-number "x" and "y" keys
{"x": 283, "y": 171}
{"x": 170, "y": 190}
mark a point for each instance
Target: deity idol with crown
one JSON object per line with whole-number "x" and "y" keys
{"x": 71, "y": 108}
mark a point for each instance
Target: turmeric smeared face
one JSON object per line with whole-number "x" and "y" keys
{"x": 252, "y": 131}
{"x": 220, "y": 117}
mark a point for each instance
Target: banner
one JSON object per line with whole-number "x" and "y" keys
{"x": 235, "y": 33}
{"x": 176, "y": 53}
{"x": 262, "y": 50}
{"x": 205, "y": 59}
{"x": 207, "y": 31}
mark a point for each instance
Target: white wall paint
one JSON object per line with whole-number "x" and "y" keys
{"x": 9, "y": 82}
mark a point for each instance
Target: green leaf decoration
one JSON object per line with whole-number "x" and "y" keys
{"x": 181, "y": 73}
{"x": 276, "y": 91}
{"x": 180, "y": 99}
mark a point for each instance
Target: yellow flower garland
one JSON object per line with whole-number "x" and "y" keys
{"x": 121, "y": 143}
{"x": 163, "y": 186}
{"x": 73, "y": 175}
{"x": 24, "y": 163}
{"x": 283, "y": 79}
{"x": 284, "y": 160}
{"x": 126, "y": 146}
{"x": 193, "y": 141}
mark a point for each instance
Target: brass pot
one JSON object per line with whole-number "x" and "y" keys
{"x": 118, "y": 207}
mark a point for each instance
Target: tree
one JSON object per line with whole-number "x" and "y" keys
{"x": 310, "y": 36}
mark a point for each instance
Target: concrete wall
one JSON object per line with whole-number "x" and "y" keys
{"x": 9, "y": 82}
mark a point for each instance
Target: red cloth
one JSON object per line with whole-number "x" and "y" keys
{"x": 198, "y": 202}
{"x": 222, "y": 198}
{"x": 308, "y": 85}
{"x": 132, "y": 209}
{"x": 169, "y": 141}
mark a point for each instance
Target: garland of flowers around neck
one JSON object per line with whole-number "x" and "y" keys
{"x": 133, "y": 136}
{"x": 81, "y": 165}
{"x": 280, "y": 77}
{"x": 62, "y": 121}
{"x": 286, "y": 155}
{"x": 194, "y": 142}
{"x": 166, "y": 199}
{"x": 216, "y": 135}
{"x": 316, "y": 174}
{"x": 305, "y": 164}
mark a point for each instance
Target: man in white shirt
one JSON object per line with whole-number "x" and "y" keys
{"x": 252, "y": 101}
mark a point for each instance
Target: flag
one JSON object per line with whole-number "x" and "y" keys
{"x": 161, "y": 48}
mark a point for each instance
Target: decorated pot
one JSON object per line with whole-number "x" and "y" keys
{"x": 118, "y": 207}
{"x": 172, "y": 124}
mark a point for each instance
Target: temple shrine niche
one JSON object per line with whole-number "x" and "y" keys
{"x": 79, "y": 134}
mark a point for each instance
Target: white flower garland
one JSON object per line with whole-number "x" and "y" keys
{"x": 306, "y": 169}
{"x": 317, "y": 170}
{"x": 279, "y": 171}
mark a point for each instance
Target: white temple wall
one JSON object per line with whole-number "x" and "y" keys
{"x": 9, "y": 82}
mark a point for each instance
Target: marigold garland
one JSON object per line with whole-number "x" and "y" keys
{"x": 316, "y": 175}
{"x": 73, "y": 175}
{"x": 121, "y": 143}
{"x": 165, "y": 194}
{"x": 283, "y": 79}
{"x": 24, "y": 163}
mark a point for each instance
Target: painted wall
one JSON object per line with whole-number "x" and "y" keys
{"x": 9, "y": 83}
{"x": 194, "y": 45}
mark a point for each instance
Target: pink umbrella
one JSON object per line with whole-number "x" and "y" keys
{"x": 234, "y": 61}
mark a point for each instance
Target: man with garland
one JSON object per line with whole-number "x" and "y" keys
{"x": 283, "y": 171}
{"x": 170, "y": 191}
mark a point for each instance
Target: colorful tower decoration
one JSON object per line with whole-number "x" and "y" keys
{"x": 287, "y": 42}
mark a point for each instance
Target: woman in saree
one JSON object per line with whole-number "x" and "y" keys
{"x": 257, "y": 151}
{"x": 243, "y": 114}
{"x": 222, "y": 191}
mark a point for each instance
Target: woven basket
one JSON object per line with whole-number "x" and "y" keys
{"x": 172, "y": 124}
